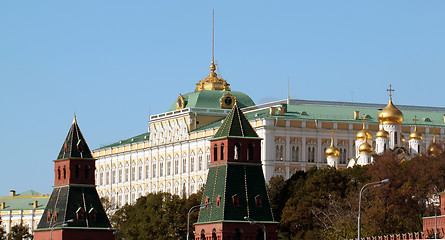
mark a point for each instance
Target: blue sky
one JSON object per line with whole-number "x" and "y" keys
{"x": 114, "y": 62}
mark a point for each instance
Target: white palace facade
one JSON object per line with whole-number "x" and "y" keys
{"x": 173, "y": 155}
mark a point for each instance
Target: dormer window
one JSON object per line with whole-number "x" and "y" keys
{"x": 92, "y": 214}
{"x": 218, "y": 201}
{"x": 80, "y": 214}
{"x": 236, "y": 200}
{"x": 259, "y": 201}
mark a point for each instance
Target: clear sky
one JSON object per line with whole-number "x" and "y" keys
{"x": 114, "y": 62}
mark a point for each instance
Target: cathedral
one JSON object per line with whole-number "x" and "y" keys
{"x": 174, "y": 154}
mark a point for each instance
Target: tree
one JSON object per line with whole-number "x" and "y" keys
{"x": 2, "y": 231}
{"x": 19, "y": 232}
{"x": 155, "y": 216}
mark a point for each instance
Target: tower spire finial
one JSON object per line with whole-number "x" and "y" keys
{"x": 74, "y": 120}
{"x": 332, "y": 137}
{"x": 213, "y": 35}
{"x": 415, "y": 122}
{"x": 363, "y": 121}
{"x": 390, "y": 90}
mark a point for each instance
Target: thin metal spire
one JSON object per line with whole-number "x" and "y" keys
{"x": 213, "y": 35}
{"x": 288, "y": 95}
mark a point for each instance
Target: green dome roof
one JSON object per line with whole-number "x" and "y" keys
{"x": 211, "y": 99}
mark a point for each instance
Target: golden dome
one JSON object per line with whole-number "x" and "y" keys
{"x": 332, "y": 151}
{"x": 403, "y": 138}
{"x": 382, "y": 134}
{"x": 365, "y": 148}
{"x": 415, "y": 135}
{"x": 362, "y": 134}
{"x": 213, "y": 82}
{"x": 434, "y": 149}
{"x": 390, "y": 114}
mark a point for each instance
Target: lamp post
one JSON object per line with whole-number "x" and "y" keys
{"x": 251, "y": 221}
{"x": 202, "y": 206}
{"x": 376, "y": 184}
{"x": 61, "y": 224}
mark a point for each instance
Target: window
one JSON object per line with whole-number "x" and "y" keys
{"x": 147, "y": 171}
{"x": 64, "y": 172}
{"x": 58, "y": 173}
{"x": 176, "y": 166}
{"x": 192, "y": 164}
{"x": 203, "y": 235}
{"x": 77, "y": 171}
{"x": 236, "y": 200}
{"x": 199, "y": 162}
{"x": 153, "y": 169}
{"x": 113, "y": 176}
{"x": 295, "y": 153}
{"x": 140, "y": 173}
{"x": 259, "y": 201}
{"x": 208, "y": 160}
{"x": 161, "y": 169}
{"x": 184, "y": 165}
{"x": 215, "y": 152}
{"x": 218, "y": 201}
{"x": 222, "y": 151}
{"x": 169, "y": 167}
{"x": 236, "y": 151}
{"x": 101, "y": 178}
{"x": 133, "y": 173}
{"x": 87, "y": 172}
{"x": 279, "y": 153}
{"x": 107, "y": 178}
{"x": 126, "y": 175}
{"x": 250, "y": 151}
{"x": 395, "y": 138}
{"x": 120, "y": 175}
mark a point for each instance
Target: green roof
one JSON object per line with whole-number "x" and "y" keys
{"x": 25, "y": 201}
{"x": 139, "y": 138}
{"x": 236, "y": 125}
{"x": 211, "y": 99}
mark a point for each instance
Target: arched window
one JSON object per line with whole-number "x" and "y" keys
{"x": 395, "y": 138}
{"x": 237, "y": 234}
{"x": 260, "y": 234}
{"x": 214, "y": 234}
{"x": 215, "y": 152}
{"x": 58, "y": 173}
{"x": 418, "y": 148}
{"x": 236, "y": 151}
{"x": 277, "y": 153}
{"x": 250, "y": 151}
{"x": 203, "y": 235}
{"x": 64, "y": 172}
{"x": 222, "y": 151}
{"x": 295, "y": 153}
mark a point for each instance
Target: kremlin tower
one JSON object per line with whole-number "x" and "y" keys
{"x": 74, "y": 210}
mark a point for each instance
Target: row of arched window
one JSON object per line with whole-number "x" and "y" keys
{"x": 62, "y": 172}
{"x": 237, "y": 153}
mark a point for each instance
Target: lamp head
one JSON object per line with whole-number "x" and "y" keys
{"x": 385, "y": 181}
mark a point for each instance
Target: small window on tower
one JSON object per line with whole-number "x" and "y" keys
{"x": 215, "y": 152}
{"x": 77, "y": 172}
{"x": 218, "y": 201}
{"x": 87, "y": 172}
{"x": 259, "y": 201}
{"x": 206, "y": 201}
{"x": 236, "y": 200}
{"x": 92, "y": 214}
{"x": 64, "y": 172}
{"x": 58, "y": 173}
{"x": 80, "y": 214}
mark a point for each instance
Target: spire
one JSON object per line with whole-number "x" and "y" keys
{"x": 236, "y": 125}
{"x": 75, "y": 145}
{"x": 212, "y": 82}
{"x": 332, "y": 138}
{"x": 363, "y": 121}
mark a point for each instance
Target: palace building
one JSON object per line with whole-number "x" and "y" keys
{"x": 174, "y": 154}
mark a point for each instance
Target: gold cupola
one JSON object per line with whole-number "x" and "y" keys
{"x": 212, "y": 82}
{"x": 364, "y": 133}
{"x": 415, "y": 135}
{"x": 365, "y": 147}
{"x": 434, "y": 149}
{"x": 382, "y": 133}
{"x": 332, "y": 151}
{"x": 390, "y": 114}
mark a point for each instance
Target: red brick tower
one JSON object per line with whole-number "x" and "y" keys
{"x": 74, "y": 210}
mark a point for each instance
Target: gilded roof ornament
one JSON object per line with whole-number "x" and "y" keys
{"x": 390, "y": 114}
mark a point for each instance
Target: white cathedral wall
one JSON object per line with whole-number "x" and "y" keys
{"x": 393, "y": 129}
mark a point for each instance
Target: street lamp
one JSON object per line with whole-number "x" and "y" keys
{"x": 202, "y": 206}
{"x": 63, "y": 224}
{"x": 251, "y": 221}
{"x": 376, "y": 184}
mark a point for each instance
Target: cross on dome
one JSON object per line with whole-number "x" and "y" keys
{"x": 390, "y": 90}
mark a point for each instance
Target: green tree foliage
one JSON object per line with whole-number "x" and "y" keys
{"x": 323, "y": 203}
{"x": 19, "y": 232}
{"x": 155, "y": 216}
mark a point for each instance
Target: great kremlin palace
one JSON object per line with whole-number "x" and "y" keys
{"x": 174, "y": 154}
